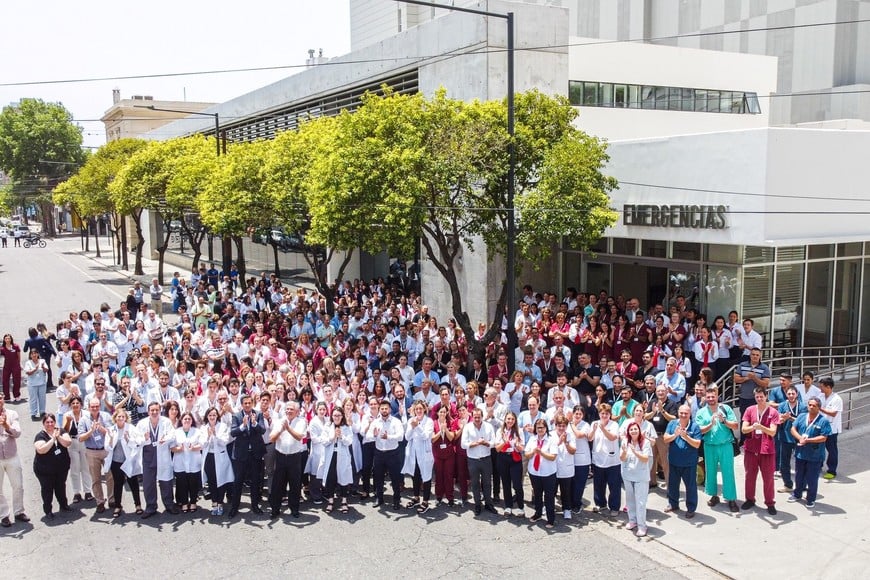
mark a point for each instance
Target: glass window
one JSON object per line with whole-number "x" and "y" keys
{"x": 724, "y": 254}
{"x": 654, "y": 248}
{"x": 712, "y": 101}
{"x": 575, "y": 92}
{"x": 700, "y": 100}
{"x": 849, "y": 250}
{"x": 791, "y": 254}
{"x": 634, "y": 96}
{"x": 752, "y": 103}
{"x": 606, "y": 95}
{"x": 648, "y": 97}
{"x": 674, "y": 96}
{"x": 598, "y": 276}
{"x": 817, "y": 320}
{"x": 571, "y": 263}
{"x": 846, "y": 302}
{"x": 620, "y": 96}
{"x": 865, "y": 304}
{"x": 758, "y": 299}
{"x": 725, "y": 101}
{"x": 625, "y": 246}
{"x": 788, "y": 306}
{"x": 821, "y": 251}
{"x": 757, "y": 255}
{"x": 683, "y": 283}
{"x": 687, "y": 100}
{"x": 720, "y": 291}
{"x": 599, "y": 247}
{"x": 687, "y": 251}
{"x": 590, "y": 94}
{"x": 662, "y": 98}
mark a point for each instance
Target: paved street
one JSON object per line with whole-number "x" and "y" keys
{"x": 45, "y": 284}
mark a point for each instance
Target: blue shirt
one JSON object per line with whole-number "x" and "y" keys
{"x": 676, "y": 382}
{"x": 747, "y": 389}
{"x": 680, "y": 453}
{"x": 534, "y": 373}
{"x": 811, "y": 452}
{"x": 784, "y": 430}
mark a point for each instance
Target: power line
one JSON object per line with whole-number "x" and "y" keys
{"x": 426, "y": 57}
{"x": 743, "y": 193}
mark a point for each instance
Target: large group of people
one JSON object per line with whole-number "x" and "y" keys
{"x": 262, "y": 388}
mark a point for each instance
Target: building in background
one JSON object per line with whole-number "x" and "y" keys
{"x": 129, "y": 117}
{"x": 733, "y": 191}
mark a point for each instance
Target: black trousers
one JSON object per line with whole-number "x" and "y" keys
{"x": 419, "y": 484}
{"x": 287, "y": 476}
{"x": 215, "y": 491}
{"x": 187, "y": 487}
{"x": 53, "y": 485}
{"x": 120, "y": 478}
{"x": 368, "y": 458}
{"x": 544, "y": 495}
{"x": 250, "y": 469}
{"x": 387, "y": 462}
{"x": 331, "y": 481}
{"x": 496, "y": 477}
{"x": 511, "y": 474}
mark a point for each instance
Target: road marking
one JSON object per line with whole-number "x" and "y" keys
{"x": 88, "y": 274}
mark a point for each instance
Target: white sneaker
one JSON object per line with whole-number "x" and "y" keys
{"x": 508, "y": 512}
{"x": 567, "y": 514}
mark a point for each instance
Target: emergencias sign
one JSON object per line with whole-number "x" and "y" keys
{"x": 710, "y": 217}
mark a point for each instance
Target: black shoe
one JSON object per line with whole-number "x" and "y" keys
{"x": 690, "y": 515}
{"x": 748, "y": 504}
{"x": 6, "y": 523}
{"x": 771, "y": 510}
{"x": 77, "y": 498}
{"x": 147, "y": 515}
{"x": 490, "y": 508}
{"x": 22, "y": 518}
{"x": 174, "y": 510}
{"x": 378, "y": 503}
{"x": 296, "y": 514}
{"x": 36, "y": 418}
{"x": 257, "y": 509}
{"x": 89, "y": 497}
{"x": 732, "y": 505}
{"x": 101, "y": 507}
{"x": 397, "y": 504}
{"x": 233, "y": 513}
{"x": 714, "y": 501}
{"x": 50, "y": 516}
{"x": 274, "y": 515}
{"x": 65, "y": 508}
{"x": 477, "y": 510}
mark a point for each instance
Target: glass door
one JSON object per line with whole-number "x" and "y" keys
{"x": 685, "y": 283}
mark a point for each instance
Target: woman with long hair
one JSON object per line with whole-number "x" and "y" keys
{"x": 419, "y": 460}
{"x": 336, "y": 464}
{"x": 11, "y": 354}
{"x": 187, "y": 463}
{"x": 51, "y": 464}
{"x": 634, "y": 456}
{"x": 124, "y": 443}
{"x": 509, "y": 448}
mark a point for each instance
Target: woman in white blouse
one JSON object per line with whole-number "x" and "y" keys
{"x": 582, "y": 457}
{"x": 509, "y": 447}
{"x": 565, "y": 463}
{"x": 336, "y": 465}
{"x": 318, "y": 436}
{"x": 605, "y": 457}
{"x": 542, "y": 451}
{"x": 187, "y": 463}
{"x": 634, "y": 456}
{"x": 419, "y": 459}
{"x": 217, "y": 467}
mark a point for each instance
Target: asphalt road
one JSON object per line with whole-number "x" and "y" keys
{"x": 45, "y": 284}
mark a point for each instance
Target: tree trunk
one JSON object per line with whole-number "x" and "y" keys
{"x": 97, "y": 237}
{"x": 275, "y": 254}
{"x": 227, "y": 253}
{"x": 87, "y": 235}
{"x": 161, "y": 252}
{"x": 125, "y": 263}
{"x": 240, "y": 260}
{"x": 140, "y": 242}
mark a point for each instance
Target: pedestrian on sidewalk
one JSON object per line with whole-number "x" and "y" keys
{"x": 832, "y": 409}
{"x": 717, "y": 421}
{"x": 156, "y": 291}
{"x": 811, "y": 431}
{"x": 683, "y": 438}
{"x": 759, "y": 449}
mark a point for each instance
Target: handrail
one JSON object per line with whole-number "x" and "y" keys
{"x": 815, "y": 358}
{"x": 849, "y": 407}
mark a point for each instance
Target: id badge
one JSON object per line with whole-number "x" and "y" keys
{"x": 57, "y": 451}
{"x": 154, "y": 444}
{"x": 443, "y": 446}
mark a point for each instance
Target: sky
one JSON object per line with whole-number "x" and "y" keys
{"x": 52, "y": 40}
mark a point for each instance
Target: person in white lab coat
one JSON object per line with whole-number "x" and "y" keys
{"x": 124, "y": 459}
{"x": 217, "y": 467}
{"x": 187, "y": 463}
{"x": 419, "y": 459}
{"x": 157, "y": 460}
{"x": 336, "y": 466}
{"x": 317, "y": 436}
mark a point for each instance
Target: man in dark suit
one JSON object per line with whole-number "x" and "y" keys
{"x": 248, "y": 452}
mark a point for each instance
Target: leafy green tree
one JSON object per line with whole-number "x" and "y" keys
{"x": 440, "y": 167}
{"x": 39, "y": 145}
{"x": 231, "y": 202}
{"x": 87, "y": 192}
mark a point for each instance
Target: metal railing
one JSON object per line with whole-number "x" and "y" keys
{"x": 818, "y": 359}
{"x": 856, "y": 405}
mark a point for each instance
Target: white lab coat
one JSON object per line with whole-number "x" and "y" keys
{"x": 356, "y": 448}
{"x": 132, "y": 465}
{"x": 165, "y": 440}
{"x": 344, "y": 469}
{"x": 223, "y": 465}
{"x": 419, "y": 448}
{"x": 187, "y": 461}
{"x": 317, "y": 434}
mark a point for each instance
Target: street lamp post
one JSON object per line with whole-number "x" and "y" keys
{"x": 511, "y": 222}
{"x": 226, "y": 245}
